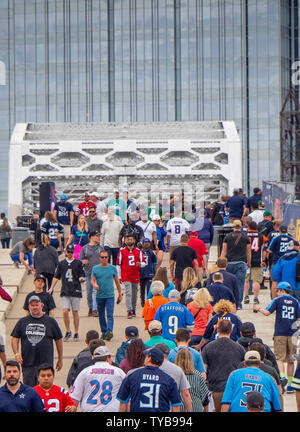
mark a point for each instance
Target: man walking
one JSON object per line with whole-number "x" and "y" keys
{"x": 110, "y": 236}
{"x": 36, "y": 333}
{"x": 71, "y": 273}
{"x": 104, "y": 275}
{"x": 182, "y": 257}
{"x": 89, "y": 256}
{"x": 287, "y": 310}
{"x": 64, "y": 214}
{"x": 129, "y": 262}
{"x": 150, "y": 389}
{"x": 237, "y": 249}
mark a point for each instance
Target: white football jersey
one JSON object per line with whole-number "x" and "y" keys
{"x": 176, "y": 227}
{"x": 97, "y": 386}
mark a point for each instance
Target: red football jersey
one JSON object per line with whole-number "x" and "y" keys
{"x": 84, "y": 207}
{"x": 56, "y": 399}
{"x": 128, "y": 261}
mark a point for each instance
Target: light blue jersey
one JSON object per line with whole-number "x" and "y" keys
{"x": 245, "y": 380}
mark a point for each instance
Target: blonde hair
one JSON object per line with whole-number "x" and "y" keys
{"x": 45, "y": 240}
{"x": 83, "y": 227}
{"x": 223, "y": 306}
{"x": 189, "y": 279}
{"x": 184, "y": 360}
{"x": 202, "y": 298}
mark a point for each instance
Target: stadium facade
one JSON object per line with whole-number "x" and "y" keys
{"x": 150, "y": 61}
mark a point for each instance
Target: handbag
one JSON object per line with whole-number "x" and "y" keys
{"x": 77, "y": 248}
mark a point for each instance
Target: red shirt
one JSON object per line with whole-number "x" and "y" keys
{"x": 56, "y": 399}
{"x": 128, "y": 262}
{"x": 84, "y": 207}
{"x": 201, "y": 319}
{"x": 199, "y": 247}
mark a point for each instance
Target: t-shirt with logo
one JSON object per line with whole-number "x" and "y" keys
{"x": 63, "y": 212}
{"x": 37, "y": 336}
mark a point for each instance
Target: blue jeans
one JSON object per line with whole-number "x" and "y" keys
{"x": 90, "y": 294}
{"x": 239, "y": 270}
{"x": 27, "y": 256}
{"x": 5, "y": 243}
{"x": 106, "y": 314}
{"x": 112, "y": 252}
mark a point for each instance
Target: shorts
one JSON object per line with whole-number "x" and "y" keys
{"x": 284, "y": 348}
{"x": 296, "y": 378}
{"x": 67, "y": 230}
{"x": 71, "y": 303}
{"x": 256, "y": 275}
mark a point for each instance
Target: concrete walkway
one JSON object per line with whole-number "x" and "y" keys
{"x": 18, "y": 284}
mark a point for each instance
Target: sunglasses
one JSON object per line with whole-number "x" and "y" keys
{"x": 104, "y": 257}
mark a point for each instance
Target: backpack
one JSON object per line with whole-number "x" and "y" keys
{"x": 190, "y": 295}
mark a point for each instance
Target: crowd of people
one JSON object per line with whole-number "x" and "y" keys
{"x": 199, "y": 356}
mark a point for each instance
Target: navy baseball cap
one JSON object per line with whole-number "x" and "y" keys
{"x": 155, "y": 354}
{"x": 70, "y": 248}
{"x": 131, "y": 331}
{"x": 255, "y": 400}
{"x": 40, "y": 276}
{"x": 146, "y": 240}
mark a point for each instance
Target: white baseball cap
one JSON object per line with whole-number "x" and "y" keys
{"x": 155, "y": 217}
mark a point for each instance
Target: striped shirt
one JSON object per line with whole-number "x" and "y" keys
{"x": 198, "y": 390}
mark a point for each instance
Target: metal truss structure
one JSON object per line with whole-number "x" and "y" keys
{"x": 290, "y": 140}
{"x": 148, "y": 158}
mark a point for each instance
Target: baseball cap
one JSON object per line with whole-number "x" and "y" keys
{"x": 174, "y": 294}
{"x": 154, "y": 326}
{"x": 70, "y": 248}
{"x": 283, "y": 228}
{"x": 102, "y": 351}
{"x": 131, "y": 331}
{"x": 193, "y": 234}
{"x": 156, "y": 217}
{"x": 34, "y": 298}
{"x": 40, "y": 276}
{"x": 252, "y": 355}
{"x": 146, "y": 240}
{"x": 255, "y": 400}
{"x": 63, "y": 196}
{"x": 94, "y": 233}
{"x": 95, "y": 194}
{"x": 116, "y": 190}
{"x": 237, "y": 222}
{"x": 155, "y": 354}
{"x": 86, "y": 193}
{"x": 284, "y": 286}
{"x": 163, "y": 347}
{"x": 248, "y": 327}
{"x": 267, "y": 213}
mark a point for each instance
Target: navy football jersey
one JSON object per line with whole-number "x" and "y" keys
{"x": 287, "y": 310}
{"x": 279, "y": 246}
{"x": 149, "y": 389}
{"x": 211, "y": 332}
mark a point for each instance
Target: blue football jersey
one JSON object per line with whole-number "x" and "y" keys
{"x": 287, "y": 310}
{"x": 279, "y": 246}
{"x": 51, "y": 229}
{"x": 211, "y": 332}
{"x": 173, "y": 316}
{"x": 147, "y": 272}
{"x": 149, "y": 389}
{"x": 245, "y": 380}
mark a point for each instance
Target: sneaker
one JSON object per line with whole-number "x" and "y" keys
{"x": 30, "y": 272}
{"x": 94, "y": 313}
{"x": 90, "y": 312}
{"x": 255, "y": 300}
{"x": 133, "y": 313}
{"x": 16, "y": 264}
{"x": 290, "y": 389}
{"x": 76, "y": 337}
{"x": 67, "y": 336}
{"x": 108, "y": 336}
{"x": 296, "y": 357}
{"x": 246, "y": 299}
{"x": 129, "y": 315}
